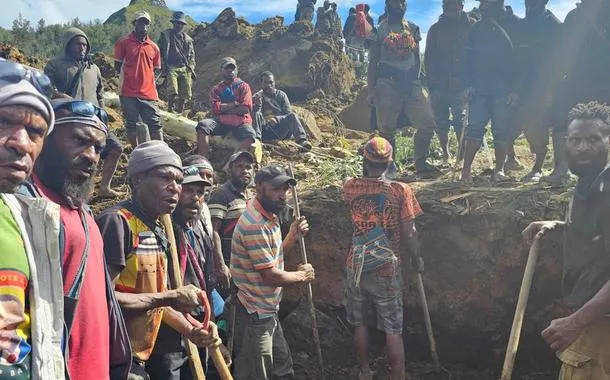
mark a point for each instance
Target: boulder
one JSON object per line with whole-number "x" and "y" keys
{"x": 308, "y": 119}
{"x": 226, "y": 24}
{"x": 357, "y": 115}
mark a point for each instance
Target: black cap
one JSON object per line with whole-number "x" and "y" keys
{"x": 276, "y": 176}
{"x": 236, "y": 156}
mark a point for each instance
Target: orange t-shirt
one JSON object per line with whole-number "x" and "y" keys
{"x": 363, "y": 197}
{"x": 139, "y": 60}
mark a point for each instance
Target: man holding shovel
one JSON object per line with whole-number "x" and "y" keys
{"x": 582, "y": 339}
{"x": 383, "y": 215}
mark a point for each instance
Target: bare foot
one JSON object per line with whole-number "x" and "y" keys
{"x": 108, "y": 193}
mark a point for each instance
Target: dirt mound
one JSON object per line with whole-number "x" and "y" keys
{"x": 14, "y": 54}
{"x": 301, "y": 63}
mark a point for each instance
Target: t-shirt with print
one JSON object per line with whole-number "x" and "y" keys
{"x": 398, "y": 44}
{"x": 226, "y": 204}
{"x": 15, "y": 360}
{"x": 257, "y": 245}
{"x": 363, "y": 197}
{"x": 131, "y": 245}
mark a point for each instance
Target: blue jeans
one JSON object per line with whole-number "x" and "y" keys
{"x": 445, "y": 104}
{"x": 490, "y": 108}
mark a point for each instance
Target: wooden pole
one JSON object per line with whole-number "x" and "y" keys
{"x": 524, "y": 293}
{"x": 428, "y": 322}
{"x": 312, "y": 310}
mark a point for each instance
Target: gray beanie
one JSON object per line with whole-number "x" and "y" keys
{"x": 151, "y": 154}
{"x": 24, "y": 93}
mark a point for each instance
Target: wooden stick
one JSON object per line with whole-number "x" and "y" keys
{"x": 312, "y": 310}
{"x": 191, "y": 349}
{"x": 524, "y": 293}
{"x": 424, "y": 305}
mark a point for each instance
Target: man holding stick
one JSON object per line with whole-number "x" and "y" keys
{"x": 257, "y": 268}
{"x": 581, "y": 338}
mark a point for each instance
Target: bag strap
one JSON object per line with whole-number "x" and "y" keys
{"x": 79, "y": 278}
{"x": 71, "y": 90}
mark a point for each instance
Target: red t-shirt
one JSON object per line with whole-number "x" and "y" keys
{"x": 139, "y": 61}
{"x": 238, "y": 91}
{"x": 90, "y": 334}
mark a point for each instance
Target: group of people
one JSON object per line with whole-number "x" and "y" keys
{"x": 94, "y": 296}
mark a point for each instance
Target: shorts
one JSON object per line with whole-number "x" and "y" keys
{"x": 384, "y": 292}
{"x": 490, "y": 108}
{"x": 588, "y": 358}
{"x": 179, "y": 82}
{"x": 211, "y": 127}
{"x": 112, "y": 144}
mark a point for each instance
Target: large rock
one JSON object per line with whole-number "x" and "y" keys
{"x": 308, "y": 119}
{"x": 357, "y": 116}
{"x": 226, "y": 25}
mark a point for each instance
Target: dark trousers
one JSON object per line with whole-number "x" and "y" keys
{"x": 288, "y": 126}
{"x": 134, "y": 109}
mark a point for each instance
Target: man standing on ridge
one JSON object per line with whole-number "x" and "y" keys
{"x": 29, "y": 234}
{"x": 137, "y": 58}
{"x": 444, "y": 61}
{"x": 384, "y": 239}
{"x": 75, "y": 76}
{"x": 64, "y": 175}
{"x": 580, "y": 339}
{"x": 394, "y": 86}
{"x": 231, "y": 103}
{"x": 305, "y": 10}
{"x": 178, "y": 58}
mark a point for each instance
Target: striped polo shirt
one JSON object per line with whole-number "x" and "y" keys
{"x": 257, "y": 245}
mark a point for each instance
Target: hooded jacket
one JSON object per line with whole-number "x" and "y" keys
{"x": 63, "y": 73}
{"x": 444, "y": 54}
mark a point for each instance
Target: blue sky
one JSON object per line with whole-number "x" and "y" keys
{"x": 422, "y": 12}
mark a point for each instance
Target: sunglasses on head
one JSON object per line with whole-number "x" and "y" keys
{"x": 83, "y": 108}
{"x": 15, "y": 72}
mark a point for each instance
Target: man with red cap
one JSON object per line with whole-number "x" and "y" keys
{"x": 383, "y": 216}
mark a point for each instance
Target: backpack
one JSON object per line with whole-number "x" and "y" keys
{"x": 362, "y": 27}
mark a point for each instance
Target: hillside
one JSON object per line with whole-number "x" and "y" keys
{"x": 158, "y": 10}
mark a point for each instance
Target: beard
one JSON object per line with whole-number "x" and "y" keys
{"x": 396, "y": 13}
{"x": 272, "y": 206}
{"x": 597, "y": 165}
{"x": 55, "y": 174}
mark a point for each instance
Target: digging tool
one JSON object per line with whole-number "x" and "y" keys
{"x": 312, "y": 310}
{"x": 524, "y": 293}
{"x": 191, "y": 349}
{"x": 424, "y": 304}
{"x": 460, "y": 153}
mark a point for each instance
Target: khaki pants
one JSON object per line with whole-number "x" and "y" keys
{"x": 588, "y": 358}
{"x": 179, "y": 82}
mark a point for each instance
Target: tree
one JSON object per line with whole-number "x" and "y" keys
{"x": 21, "y": 27}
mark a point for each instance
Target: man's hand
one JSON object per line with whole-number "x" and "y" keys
{"x": 418, "y": 264}
{"x": 226, "y": 355}
{"x": 541, "y": 228}
{"x": 272, "y": 121}
{"x": 308, "y": 272}
{"x": 184, "y": 299}
{"x": 512, "y": 100}
{"x": 299, "y": 225}
{"x": 468, "y": 94}
{"x": 562, "y": 332}
{"x": 223, "y": 273}
{"x": 203, "y": 338}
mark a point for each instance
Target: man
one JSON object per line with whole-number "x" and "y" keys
{"x": 538, "y": 37}
{"x": 335, "y": 21}
{"x": 323, "y": 19}
{"x": 178, "y": 58}
{"x": 257, "y": 268}
{"x": 491, "y": 75}
{"x": 273, "y": 115}
{"x": 584, "y": 56}
{"x": 581, "y": 338}
{"x": 64, "y": 175}
{"x": 74, "y": 75}
{"x": 393, "y": 82}
{"x": 358, "y": 27}
{"x": 231, "y": 102}
{"x": 136, "y": 250}
{"x": 349, "y": 25}
{"x": 305, "y": 10}
{"x": 444, "y": 60}
{"x": 227, "y": 203}
{"x": 30, "y": 289}
{"x": 136, "y": 58}
{"x": 383, "y": 215}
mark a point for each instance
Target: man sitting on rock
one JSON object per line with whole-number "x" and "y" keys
{"x": 274, "y": 119}
{"x": 231, "y": 102}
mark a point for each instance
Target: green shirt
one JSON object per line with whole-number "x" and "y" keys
{"x": 14, "y": 306}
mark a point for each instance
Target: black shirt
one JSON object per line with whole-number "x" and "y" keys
{"x": 586, "y": 258}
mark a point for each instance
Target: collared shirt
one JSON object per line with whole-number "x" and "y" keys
{"x": 226, "y": 204}
{"x": 89, "y": 342}
{"x": 586, "y": 256}
{"x": 139, "y": 60}
{"x": 238, "y": 91}
{"x": 257, "y": 245}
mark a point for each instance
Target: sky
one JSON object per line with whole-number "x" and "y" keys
{"x": 422, "y": 12}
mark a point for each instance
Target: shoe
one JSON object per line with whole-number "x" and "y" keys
{"x": 557, "y": 177}
{"x": 512, "y": 165}
{"x": 500, "y": 176}
{"x": 532, "y": 177}
{"x": 305, "y": 145}
{"x": 426, "y": 170}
